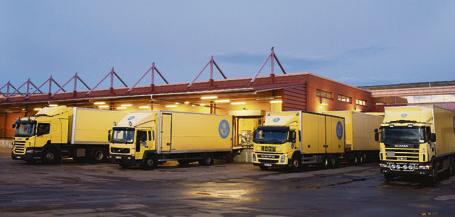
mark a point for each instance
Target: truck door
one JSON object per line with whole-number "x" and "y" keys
{"x": 141, "y": 143}
{"x": 166, "y": 132}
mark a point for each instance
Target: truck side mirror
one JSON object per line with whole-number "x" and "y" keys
{"x": 109, "y": 135}
{"x": 376, "y": 135}
{"x": 433, "y": 137}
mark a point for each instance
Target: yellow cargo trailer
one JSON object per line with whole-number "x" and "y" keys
{"x": 148, "y": 138}
{"x": 290, "y": 139}
{"x": 360, "y": 146}
{"x": 417, "y": 140}
{"x": 57, "y": 132}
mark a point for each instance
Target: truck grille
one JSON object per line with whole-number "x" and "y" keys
{"x": 402, "y": 154}
{"x": 120, "y": 150}
{"x": 268, "y": 161}
{"x": 19, "y": 147}
{"x": 268, "y": 156}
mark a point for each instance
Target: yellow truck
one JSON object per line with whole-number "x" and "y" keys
{"x": 361, "y": 147}
{"x": 148, "y": 138}
{"x": 417, "y": 140}
{"x": 291, "y": 139}
{"x": 58, "y": 132}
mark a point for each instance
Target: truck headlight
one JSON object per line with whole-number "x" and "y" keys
{"x": 283, "y": 158}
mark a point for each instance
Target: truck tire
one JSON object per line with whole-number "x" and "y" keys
{"x": 206, "y": 161}
{"x": 51, "y": 156}
{"x": 326, "y": 163}
{"x": 296, "y": 162}
{"x": 334, "y": 162}
{"x": 433, "y": 178}
{"x": 97, "y": 155}
{"x": 451, "y": 167}
{"x": 149, "y": 163}
{"x": 356, "y": 160}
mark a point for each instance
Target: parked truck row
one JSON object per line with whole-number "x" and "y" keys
{"x": 408, "y": 140}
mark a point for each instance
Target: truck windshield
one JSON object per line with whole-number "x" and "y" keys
{"x": 25, "y": 129}
{"x": 123, "y": 135}
{"x": 402, "y": 135}
{"x": 271, "y": 135}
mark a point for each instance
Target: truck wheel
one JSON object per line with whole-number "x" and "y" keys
{"x": 97, "y": 155}
{"x": 50, "y": 156}
{"x": 333, "y": 162}
{"x": 149, "y": 164}
{"x": 451, "y": 168}
{"x": 296, "y": 162}
{"x": 433, "y": 178}
{"x": 206, "y": 161}
{"x": 388, "y": 177}
{"x": 183, "y": 163}
{"x": 326, "y": 163}
{"x": 361, "y": 159}
{"x": 356, "y": 160}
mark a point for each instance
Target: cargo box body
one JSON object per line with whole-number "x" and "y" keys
{"x": 91, "y": 126}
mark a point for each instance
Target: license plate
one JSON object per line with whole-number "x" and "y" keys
{"x": 268, "y": 165}
{"x": 18, "y": 157}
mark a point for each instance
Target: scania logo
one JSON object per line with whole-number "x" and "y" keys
{"x": 276, "y": 119}
{"x": 403, "y": 115}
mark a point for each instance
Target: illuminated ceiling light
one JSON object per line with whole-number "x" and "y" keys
{"x": 187, "y": 102}
{"x": 177, "y": 103}
{"x": 202, "y": 104}
{"x": 238, "y": 103}
{"x": 126, "y": 105}
{"x": 223, "y": 101}
{"x": 145, "y": 107}
{"x": 209, "y": 97}
{"x": 103, "y": 106}
{"x": 171, "y": 106}
{"x": 276, "y": 101}
{"x": 53, "y": 105}
{"x": 121, "y": 108}
{"x": 193, "y": 105}
{"x": 36, "y": 109}
{"x": 99, "y": 103}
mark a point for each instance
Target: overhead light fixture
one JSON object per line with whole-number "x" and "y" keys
{"x": 145, "y": 107}
{"x": 238, "y": 103}
{"x": 121, "y": 108}
{"x": 177, "y": 103}
{"x": 193, "y": 105}
{"x": 209, "y": 97}
{"x": 36, "y": 109}
{"x": 187, "y": 102}
{"x": 202, "y": 104}
{"x": 126, "y": 105}
{"x": 171, "y": 106}
{"x": 103, "y": 106}
{"x": 99, "y": 103}
{"x": 276, "y": 101}
{"x": 223, "y": 101}
{"x": 53, "y": 105}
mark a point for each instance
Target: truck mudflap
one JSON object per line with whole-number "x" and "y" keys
{"x": 31, "y": 154}
{"x": 405, "y": 168}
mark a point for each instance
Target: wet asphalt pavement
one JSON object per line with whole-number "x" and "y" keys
{"x": 73, "y": 189}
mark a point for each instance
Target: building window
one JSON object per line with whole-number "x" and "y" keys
{"x": 344, "y": 98}
{"x": 324, "y": 94}
{"x": 360, "y": 102}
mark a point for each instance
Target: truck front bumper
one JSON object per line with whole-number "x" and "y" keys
{"x": 122, "y": 159}
{"x": 31, "y": 154}
{"x": 405, "y": 168}
{"x": 270, "y": 160}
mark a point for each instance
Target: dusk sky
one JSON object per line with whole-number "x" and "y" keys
{"x": 356, "y": 42}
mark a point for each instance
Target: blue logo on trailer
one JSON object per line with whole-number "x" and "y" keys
{"x": 223, "y": 129}
{"x": 339, "y": 130}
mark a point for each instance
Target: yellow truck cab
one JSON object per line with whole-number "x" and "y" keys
{"x": 57, "y": 132}
{"x": 417, "y": 140}
{"x": 147, "y": 138}
{"x": 291, "y": 139}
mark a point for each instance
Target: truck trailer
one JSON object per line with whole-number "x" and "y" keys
{"x": 296, "y": 138}
{"x": 361, "y": 147}
{"x": 148, "y": 138}
{"x": 417, "y": 140}
{"x": 58, "y": 132}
